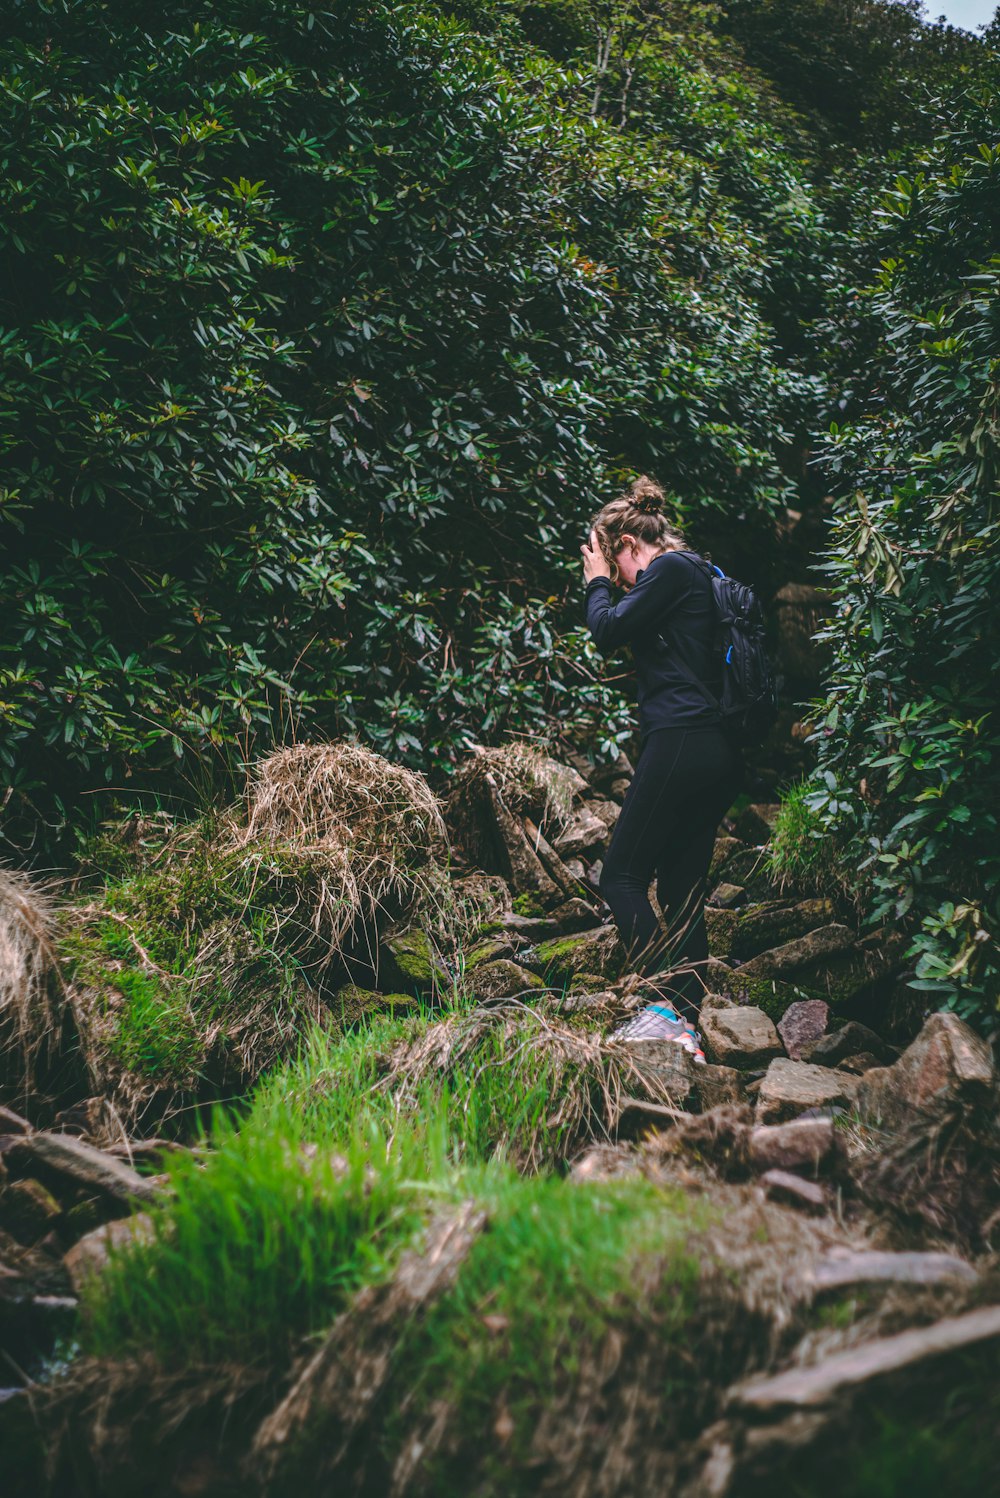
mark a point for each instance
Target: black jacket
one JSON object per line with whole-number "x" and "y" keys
{"x": 672, "y": 597}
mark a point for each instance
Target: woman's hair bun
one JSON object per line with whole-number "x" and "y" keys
{"x": 647, "y": 496}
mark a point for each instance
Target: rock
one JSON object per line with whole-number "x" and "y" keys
{"x": 606, "y": 812}
{"x": 28, "y": 1210}
{"x": 91, "y": 1253}
{"x": 352, "y": 1002}
{"x": 803, "y": 953}
{"x": 770, "y": 994}
{"x": 725, "y": 848}
{"x": 771, "y": 923}
{"x": 846, "y": 1266}
{"x": 718, "y": 1085}
{"x": 489, "y": 950}
{"x": 520, "y": 864}
{"x": 577, "y": 868}
{"x": 785, "y": 1187}
{"x": 802, "y": 1144}
{"x": 946, "y": 1061}
{"x": 755, "y": 823}
{"x": 13, "y": 1123}
{"x": 747, "y": 867}
{"x": 720, "y": 926}
{"x": 726, "y": 896}
{"x": 503, "y": 980}
{"x": 802, "y": 1024}
{"x": 595, "y": 951}
{"x": 533, "y": 927}
{"x": 798, "y": 610}
{"x": 637, "y": 1116}
{"x": 551, "y": 861}
{"x": 740, "y": 1037}
{"x": 850, "y": 1040}
{"x": 859, "y": 1064}
{"x": 805, "y": 1388}
{"x": 584, "y": 834}
{"x": 574, "y": 915}
{"x": 790, "y": 1087}
{"x": 95, "y": 1169}
{"x": 663, "y": 1070}
{"x": 414, "y": 964}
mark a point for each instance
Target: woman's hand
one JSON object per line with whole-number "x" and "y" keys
{"x": 594, "y": 561}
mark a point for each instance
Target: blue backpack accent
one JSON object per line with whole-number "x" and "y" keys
{"x": 747, "y": 704}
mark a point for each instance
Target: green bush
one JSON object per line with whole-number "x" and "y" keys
{"x": 908, "y": 737}
{"x": 321, "y": 331}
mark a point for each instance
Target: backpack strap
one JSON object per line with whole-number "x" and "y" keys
{"x": 710, "y": 569}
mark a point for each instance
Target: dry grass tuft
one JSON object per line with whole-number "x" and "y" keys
{"x": 544, "y": 1090}
{"x": 30, "y": 1016}
{"x": 369, "y": 835}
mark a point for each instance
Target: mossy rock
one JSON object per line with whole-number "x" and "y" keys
{"x": 589, "y": 983}
{"x": 721, "y": 926}
{"x": 528, "y": 904}
{"x": 503, "y": 979}
{"x": 770, "y": 923}
{"x": 724, "y": 850}
{"x": 415, "y": 964}
{"x": 351, "y": 1003}
{"x": 748, "y": 867}
{"x": 770, "y": 994}
{"x": 490, "y": 950}
{"x": 598, "y": 951}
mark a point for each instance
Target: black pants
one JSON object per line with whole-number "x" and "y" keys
{"x": 684, "y": 783}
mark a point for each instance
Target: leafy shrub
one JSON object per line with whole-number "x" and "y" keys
{"x": 908, "y": 738}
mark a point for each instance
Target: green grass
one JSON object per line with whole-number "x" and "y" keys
{"x": 801, "y": 849}
{"x": 558, "y": 1267}
{"x": 262, "y": 1241}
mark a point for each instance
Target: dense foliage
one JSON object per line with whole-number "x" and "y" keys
{"x": 908, "y": 779}
{"x": 322, "y": 333}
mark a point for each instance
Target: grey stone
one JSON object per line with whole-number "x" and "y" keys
{"x": 574, "y": 915}
{"x": 790, "y": 1087}
{"x": 859, "y": 1267}
{"x": 804, "y": 1388}
{"x": 502, "y": 980}
{"x": 585, "y": 833}
{"x": 739, "y": 1036}
{"x": 850, "y": 1040}
{"x": 726, "y": 896}
{"x": 802, "y": 1144}
{"x": 718, "y": 1085}
{"x": 802, "y": 1024}
{"x": 91, "y": 1253}
{"x": 946, "y": 1061}
{"x": 803, "y": 952}
{"x": 785, "y": 1187}
{"x": 86, "y": 1165}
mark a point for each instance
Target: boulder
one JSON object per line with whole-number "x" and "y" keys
{"x": 770, "y": 994}
{"x": 718, "y": 1085}
{"x": 739, "y": 1037}
{"x": 946, "y": 1062}
{"x": 489, "y": 950}
{"x": 69, "y": 1157}
{"x": 790, "y": 1087}
{"x": 725, "y": 848}
{"x": 803, "y": 1144}
{"x": 770, "y": 923}
{"x": 585, "y": 833}
{"x": 802, "y": 954}
{"x": 850, "y": 1040}
{"x": 574, "y": 915}
{"x": 663, "y": 1069}
{"x": 802, "y": 1024}
{"x": 596, "y": 951}
{"x": 503, "y": 980}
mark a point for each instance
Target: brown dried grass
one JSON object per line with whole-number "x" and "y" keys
{"x": 30, "y": 1011}
{"x": 369, "y": 835}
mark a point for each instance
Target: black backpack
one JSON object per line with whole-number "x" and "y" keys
{"x": 748, "y": 703}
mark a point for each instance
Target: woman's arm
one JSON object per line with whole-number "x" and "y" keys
{"x": 643, "y": 608}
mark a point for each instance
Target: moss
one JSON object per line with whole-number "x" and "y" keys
{"x": 721, "y": 926}
{"x": 586, "y": 951}
{"x": 486, "y": 951}
{"x": 769, "y": 994}
{"x": 528, "y": 904}
{"x": 416, "y": 962}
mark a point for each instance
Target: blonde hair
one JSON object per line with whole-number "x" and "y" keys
{"x": 638, "y": 511}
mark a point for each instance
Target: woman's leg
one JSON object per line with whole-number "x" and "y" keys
{"x": 682, "y": 877}
{"x": 685, "y": 781}
{"x": 648, "y": 812}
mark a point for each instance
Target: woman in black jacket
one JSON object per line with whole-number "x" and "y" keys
{"x": 688, "y": 772}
